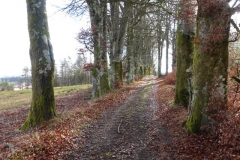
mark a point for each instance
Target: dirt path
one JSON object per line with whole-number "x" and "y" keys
{"x": 123, "y": 131}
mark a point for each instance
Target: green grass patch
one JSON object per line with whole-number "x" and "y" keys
{"x": 14, "y": 99}
{"x": 60, "y": 91}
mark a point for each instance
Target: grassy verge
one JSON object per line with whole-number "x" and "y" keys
{"x": 13, "y": 99}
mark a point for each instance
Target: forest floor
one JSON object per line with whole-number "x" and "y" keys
{"x": 124, "y": 131}
{"x": 135, "y": 122}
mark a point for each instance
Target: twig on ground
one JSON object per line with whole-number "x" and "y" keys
{"x": 119, "y": 126}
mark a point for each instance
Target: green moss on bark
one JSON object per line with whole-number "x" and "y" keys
{"x": 184, "y": 62}
{"x": 210, "y": 66}
{"x": 140, "y": 72}
{"x": 118, "y": 74}
{"x": 104, "y": 82}
{"x": 42, "y": 61}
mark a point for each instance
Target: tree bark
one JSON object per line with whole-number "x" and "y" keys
{"x": 160, "y": 46}
{"x": 167, "y": 40}
{"x": 100, "y": 75}
{"x": 210, "y": 62}
{"x": 42, "y": 61}
{"x": 174, "y": 61}
{"x": 130, "y": 59}
{"x": 184, "y": 64}
{"x": 118, "y": 32}
{"x": 184, "y": 44}
{"x": 104, "y": 77}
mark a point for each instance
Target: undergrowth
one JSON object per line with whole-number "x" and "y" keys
{"x": 170, "y": 78}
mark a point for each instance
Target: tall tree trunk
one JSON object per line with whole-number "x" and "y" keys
{"x": 130, "y": 59}
{"x": 210, "y": 61}
{"x": 174, "y": 61}
{"x": 100, "y": 80}
{"x": 104, "y": 77}
{"x": 42, "y": 61}
{"x": 160, "y": 46}
{"x": 184, "y": 44}
{"x": 167, "y": 40}
{"x": 184, "y": 64}
{"x": 119, "y": 28}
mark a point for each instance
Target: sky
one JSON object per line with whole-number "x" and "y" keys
{"x": 14, "y": 38}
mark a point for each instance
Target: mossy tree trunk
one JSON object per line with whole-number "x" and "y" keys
{"x": 104, "y": 77}
{"x": 148, "y": 44}
{"x": 210, "y": 62}
{"x": 174, "y": 54}
{"x": 184, "y": 64}
{"x": 130, "y": 59}
{"x": 42, "y": 61}
{"x": 118, "y": 32}
{"x": 160, "y": 50}
{"x": 136, "y": 64}
{"x": 100, "y": 75}
{"x": 138, "y": 51}
{"x": 160, "y": 39}
{"x": 167, "y": 40}
{"x": 184, "y": 46}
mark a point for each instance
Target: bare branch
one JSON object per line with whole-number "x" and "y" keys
{"x": 76, "y": 8}
{"x": 237, "y": 33}
{"x": 236, "y": 79}
{"x": 235, "y": 9}
{"x": 234, "y": 3}
{"x": 235, "y": 25}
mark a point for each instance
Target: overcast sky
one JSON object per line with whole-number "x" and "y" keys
{"x": 14, "y": 39}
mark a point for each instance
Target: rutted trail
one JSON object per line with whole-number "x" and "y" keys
{"x": 122, "y": 131}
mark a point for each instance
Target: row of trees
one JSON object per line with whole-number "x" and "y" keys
{"x": 107, "y": 34}
{"x": 203, "y": 58}
{"x": 203, "y": 36}
{"x": 7, "y": 84}
{"x": 68, "y": 73}
{"x": 130, "y": 32}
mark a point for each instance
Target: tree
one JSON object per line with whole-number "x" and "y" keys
{"x": 100, "y": 75}
{"x": 167, "y": 28}
{"x": 6, "y": 86}
{"x": 56, "y": 77}
{"x": 160, "y": 40}
{"x": 26, "y": 71}
{"x": 124, "y": 16}
{"x": 42, "y": 61}
{"x": 118, "y": 29}
{"x": 210, "y": 61}
{"x": 129, "y": 55}
{"x": 134, "y": 32}
{"x": 185, "y": 33}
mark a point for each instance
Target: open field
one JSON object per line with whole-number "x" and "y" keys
{"x": 12, "y": 99}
